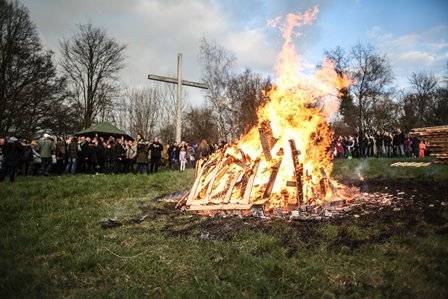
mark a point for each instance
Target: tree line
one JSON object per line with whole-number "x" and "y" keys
{"x": 373, "y": 104}
{"x": 38, "y": 93}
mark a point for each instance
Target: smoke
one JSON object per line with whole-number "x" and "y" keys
{"x": 361, "y": 169}
{"x": 330, "y": 106}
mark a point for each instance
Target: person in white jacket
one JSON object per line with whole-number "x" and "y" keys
{"x": 183, "y": 158}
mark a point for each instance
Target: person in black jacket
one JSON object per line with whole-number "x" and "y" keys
{"x": 119, "y": 154}
{"x": 72, "y": 155}
{"x": 100, "y": 153}
{"x": 60, "y": 152}
{"x": 84, "y": 154}
{"x": 109, "y": 156}
{"x": 13, "y": 152}
{"x": 379, "y": 144}
{"x": 156, "y": 149}
{"x": 356, "y": 150}
{"x": 415, "y": 146}
{"x": 388, "y": 144}
{"x": 93, "y": 156}
{"x": 27, "y": 159}
{"x": 362, "y": 145}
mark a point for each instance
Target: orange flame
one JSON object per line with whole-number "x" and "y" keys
{"x": 297, "y": 111}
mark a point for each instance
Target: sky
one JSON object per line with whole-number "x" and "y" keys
{"x": 413, "y": 34}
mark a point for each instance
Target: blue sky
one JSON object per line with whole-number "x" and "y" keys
{"x": 413, "y": 34}
{"x": 406, "y": 31}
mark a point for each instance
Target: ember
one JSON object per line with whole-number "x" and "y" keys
{"x": 284, "y": 161}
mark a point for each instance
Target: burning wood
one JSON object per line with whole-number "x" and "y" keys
{"x": 244, "y": 157}
{"x": 273, "y": 176}
{"x": 229, "y": 206}
{"x": 266, "y": 127}
{"x": 265, "y": 144}
{"x": 250, "y": 183}
{"x": 291, "y": 183}
{"x": 298, "y": 171}
{"x": 326, "y": 179}
{"x": 235, "y": 180}
{"x": 282, "y": 161}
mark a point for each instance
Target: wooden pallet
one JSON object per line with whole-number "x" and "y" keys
{"x": 436, "y": 138}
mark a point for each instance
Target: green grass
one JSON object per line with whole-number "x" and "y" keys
{"x": 380, "y": 169}
{"x": 53, "y": 246}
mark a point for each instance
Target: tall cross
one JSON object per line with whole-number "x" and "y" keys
{"x": 179, "y": 83}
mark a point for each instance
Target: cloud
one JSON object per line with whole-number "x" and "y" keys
{"x": 155, "y": 31}
{"x": 412, "y": 52}
{"x": 253, "y": 49}
{"x": 416, "y": 57}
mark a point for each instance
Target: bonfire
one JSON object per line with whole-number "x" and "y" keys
{"x": 285, "y": 160}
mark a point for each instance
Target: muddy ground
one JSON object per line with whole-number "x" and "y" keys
{"x": 418, "y": 208}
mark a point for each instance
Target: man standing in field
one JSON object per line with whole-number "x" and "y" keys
{"x": 47, "y": 148}
{"x": 156, "y": 155}
{"x": 13, "y": 152}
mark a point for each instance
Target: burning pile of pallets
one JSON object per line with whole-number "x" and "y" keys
{"x": 227, "y": 180}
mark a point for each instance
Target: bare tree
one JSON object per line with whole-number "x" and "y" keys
{"x": 148, "y": 111}
{"x": 245, "y": 94}
{"x": 217, "y": 64}
{"x": 426, "y": 103}
{"x": 145, "y": 111}
{"x": 200, "y": 123}
{"x": 119, "y": 113}
{"x": 361, "y": 103}
{"x": 107, "y": 96}
{"x": 345, "y": 122}
{"x": 340, "y": 58}
{"x": 371, "y": 73}
{"x": 384, "y": 115}
{"x": 167, "y": 122}
{"x": 91, "y": 60}
{"x": 168, "y": 103}
{"x": 441, "y": 105}
{"x": 30, "y": 90}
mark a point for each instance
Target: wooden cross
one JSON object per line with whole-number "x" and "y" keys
{"x": 179, "y": 83}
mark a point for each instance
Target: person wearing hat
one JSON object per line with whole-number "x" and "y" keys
{"x": 47, "y": 148}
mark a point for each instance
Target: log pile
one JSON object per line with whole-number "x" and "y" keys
{"x": 436, "y": 138}
{"x": 230, "y": 180}
{"x": 238, "y": 177}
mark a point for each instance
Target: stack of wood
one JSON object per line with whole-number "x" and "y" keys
{"x": 227, "y": 182}
{"x": 436, "y": 138}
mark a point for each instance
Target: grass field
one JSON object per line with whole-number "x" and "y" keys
{"x": 52, "y": 244}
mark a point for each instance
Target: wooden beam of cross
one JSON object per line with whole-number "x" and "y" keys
{"x": 179, "y": 82}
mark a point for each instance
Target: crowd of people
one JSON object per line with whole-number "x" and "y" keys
{"x": 95, "y": 155}
{"x": 98, "y": 154}
{"x": 385, "y": 144}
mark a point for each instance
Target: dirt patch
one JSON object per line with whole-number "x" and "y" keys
{"x": 417, "y": 208}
